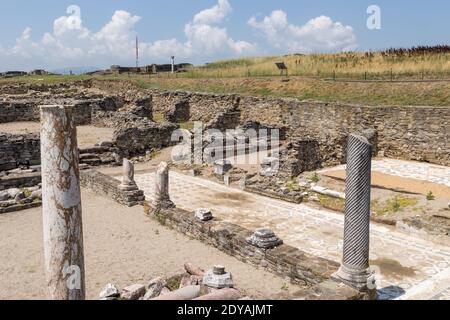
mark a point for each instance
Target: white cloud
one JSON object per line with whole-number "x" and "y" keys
{"x": 70, "y": 43}
{"x": 203, "y": 38}
{"x": 70, "y": 25}
{"x": 117, "y": 37}
{"x": 215, "y": 14}
{"x": 320, "y": 34}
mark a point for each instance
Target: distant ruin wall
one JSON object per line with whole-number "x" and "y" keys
{"x": 28, "y": 110}
{"x": 18, "y": 111}
{"x": 19, "y": 149}
{"x": 203, "y": 107}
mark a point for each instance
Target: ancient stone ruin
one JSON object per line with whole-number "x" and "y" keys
{"x": 222, "y": 169}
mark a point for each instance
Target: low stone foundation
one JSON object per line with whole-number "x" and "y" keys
{"x": 20, "y": 207}
{"x": 20, "y": 180}
{"x": 109, "y": 187}
{"x": 285, "y": 261}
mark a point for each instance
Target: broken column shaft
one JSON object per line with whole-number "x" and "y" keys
{"x": 355, "y": 265}
{"x": 61, "y": 204}
{"x": 162, "y": 197}
{"x": 128, "y": 183}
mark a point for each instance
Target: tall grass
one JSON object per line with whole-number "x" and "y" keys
{"x": 427, "y": 65}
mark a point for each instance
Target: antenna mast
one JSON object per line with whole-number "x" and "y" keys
{"x": 137, "y": 52}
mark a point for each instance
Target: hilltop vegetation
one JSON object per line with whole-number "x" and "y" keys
{"x": 426, "y": 62}
{"x": 393, "y": 77}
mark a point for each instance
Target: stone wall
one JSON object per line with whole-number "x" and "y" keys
{"x": 404, "y": 132}
{"x": 18, "y": 111}
{"x": 28, "y": 110}
{"x": 109, "y": 187}
{"x": 19, "y": 149}
{"x": 285, "y": 261}
{"x": 20, "y": 180}
{"x": 203, "y": 107}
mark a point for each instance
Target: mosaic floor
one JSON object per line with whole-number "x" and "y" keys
{"x": 408, "y": 169}
{"x": 407, "y": 267}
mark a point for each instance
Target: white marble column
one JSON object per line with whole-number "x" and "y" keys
{"x": 61, "y": 204}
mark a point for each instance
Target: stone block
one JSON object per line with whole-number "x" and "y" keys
{"x": 265, "y": 239}
{"x": 218, "y": 278}
{"x": 109, "y": 291}
{"x": 133, "y": 292}
{"x": 221, "y": 167}
{"x": 203, "y": 214}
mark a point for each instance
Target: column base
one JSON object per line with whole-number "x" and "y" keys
{"x": 128, "y": 187}
{"x": 362, "y": 280}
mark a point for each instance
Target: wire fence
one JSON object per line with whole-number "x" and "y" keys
{"x": 332, "y": 75}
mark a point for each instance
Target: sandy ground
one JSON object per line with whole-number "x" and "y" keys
{"x": 399, "y": 184}
{"x": 87, "y": 135}
{"x": 122, "y": 245}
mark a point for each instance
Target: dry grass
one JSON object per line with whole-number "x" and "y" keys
{"x": 232, "y": 76}
{"x": 344, "y": 65}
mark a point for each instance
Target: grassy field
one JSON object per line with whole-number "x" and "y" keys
{"x": 392, "y": 78}
{"x": 369, "y": 66}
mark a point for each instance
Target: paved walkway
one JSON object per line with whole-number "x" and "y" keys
{"x": 408, "y": 169}
{"x": 406, "y": 267}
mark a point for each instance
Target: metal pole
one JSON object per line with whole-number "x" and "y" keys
{"x": 61, "y": 204}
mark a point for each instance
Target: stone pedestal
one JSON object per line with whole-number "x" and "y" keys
{"x": 355, "y": 270}
{"x": 128, "y": 183}
{"x": 203, "y": 214}
{"x": 61, "y": 204}
{"x": 162, "y": 197}
{"x": 218, "y": 278}
{"x": 264, "y": 239}
{"x": 222, "y": 167}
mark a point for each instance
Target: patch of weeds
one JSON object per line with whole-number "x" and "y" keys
{"x": 158, "y": 117}
{"x": 188, "y": 125}
{"x": 285, "y": 287}
{"x": 430, "y": 196}
{"x": 157, "y": 232}
{"x": 264, "y": 91}
{"x": 331, "y": 203}
{"x": 173, "y": 283}
{"x": 154, "y": 153}
{"x": 26, "y": 192}
{"x": 314, "y": 177}
{"x": 162, "y": 219}
{"x": 292, "y": 186}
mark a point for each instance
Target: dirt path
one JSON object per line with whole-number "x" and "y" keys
{"x": 400, "y": 184}
{"x": 87, "y": 135}
{"x": 121, "y": 246}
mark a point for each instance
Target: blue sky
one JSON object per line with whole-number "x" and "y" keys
{"x": 45, "y": 34}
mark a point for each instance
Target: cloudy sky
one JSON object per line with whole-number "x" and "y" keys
{"x": 56, "y": 34}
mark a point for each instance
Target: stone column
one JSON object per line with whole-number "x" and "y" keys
{"x": 355, "y": 269}
{"x": 162, "y": 198}
{"x": 61, "y": 204}
{"x": 128, "y": 183}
